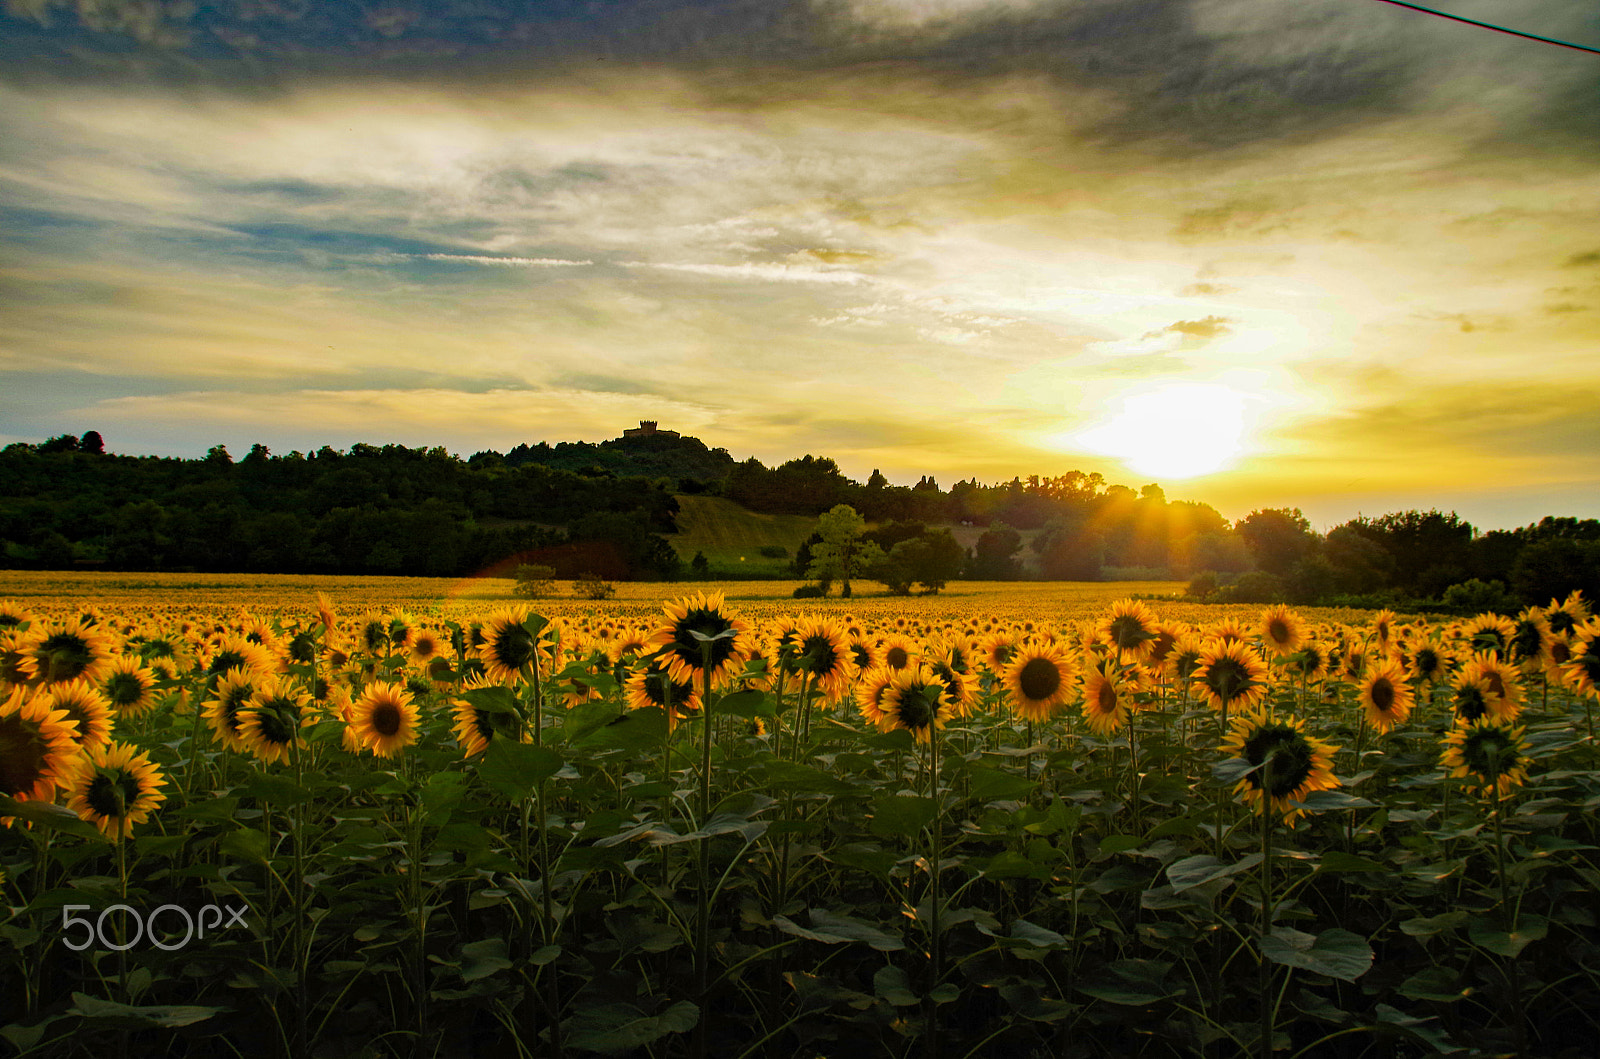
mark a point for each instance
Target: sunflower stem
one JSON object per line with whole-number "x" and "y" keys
{"x": 702, "y": 923}
{"x": 1265, "y": 968}
{"x": 935, "y": 898}
{"x": 297, "y": 881}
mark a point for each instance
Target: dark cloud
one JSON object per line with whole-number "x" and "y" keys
{"x": 1584, "y": 260}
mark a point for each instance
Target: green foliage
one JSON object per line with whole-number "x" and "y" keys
{"x": 535, "y": 581}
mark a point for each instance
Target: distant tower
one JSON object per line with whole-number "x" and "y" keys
{"x": 647, "y": 428}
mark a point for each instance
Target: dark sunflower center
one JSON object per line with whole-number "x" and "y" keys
{"x": 1560, "y": 621}
{"x": 1560, "y": 653}
{"x": 1228, "y": 677}
{"x": 1591, "y": 664}
{"x": 386, "y": 719}
{"x": 1161, "y": 646}
{"x": 1278, "y": 630}
{"x": 1497, "y": 684}
{"x": 22, "y": 756}
{"x": 1286, "y": 756}
{"x": 112, "y": 795}
{"x": 860, "y": 655}
{"x": 303, "y": 648}
{"x": 820, "y": 650}
{"x": 124, "y": 688}
{"x": 65, "y": 656}
{"x": 896, "y": 657}
{"x": 275, "y": 723}
{"x": 1382, "y": 695}
{"x": 224, "y": 661}
{"x": 1470, "y": 704}
{"x": 513, "y": 646}
{"x": 1488, "y": 752}
{"x": 1427, "y": 661}
{"x": 657, "y": 686}
{"x": 1128, "y": 632}
{"x": 1527, "y": 641}
{"x": 1039, "y": 678}
{"x": 915, "y": 711}
{"x": 707, "y": 623}
{"x": 1106, "y": 698}
{"x": 1186, "y": 664}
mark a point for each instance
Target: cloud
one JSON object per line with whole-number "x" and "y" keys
{"x": 514, "y": 262}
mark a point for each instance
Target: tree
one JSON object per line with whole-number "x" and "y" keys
{"x": 930, "y": 560}
{"x": 92, "y": 443}
{"x": 1277, "y": 538}
{"x": 842, "y": 553}
{"x": 60, "y": 443}
{"x": 994, "y": 556}
{"x": 700, "y": 566}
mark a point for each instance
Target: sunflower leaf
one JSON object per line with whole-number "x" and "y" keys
{"x": 50, "y": 816}
{"x": 163, "y": 1016}
{"x": 516, "y": 769}
{"x": 1507, "y": 943}
{"x": 1336, "y": 953}
{"x": 615, "y": 1029}
{"x": 745, "y": 704}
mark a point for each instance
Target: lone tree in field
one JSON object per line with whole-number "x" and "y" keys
{"x": 843, "y": 553}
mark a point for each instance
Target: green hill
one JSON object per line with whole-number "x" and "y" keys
{"x": 732, "y": 537}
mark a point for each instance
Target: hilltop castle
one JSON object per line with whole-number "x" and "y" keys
{"x": 647, "y": 429}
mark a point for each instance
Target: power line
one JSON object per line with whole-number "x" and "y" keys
{"x": 1491, "y": 25}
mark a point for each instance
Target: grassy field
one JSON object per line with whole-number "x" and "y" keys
{"x": 731, "y": 537}
{"x": 224, "y": 594}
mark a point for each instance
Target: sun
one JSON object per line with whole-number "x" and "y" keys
{"x": 1176, "y": 431}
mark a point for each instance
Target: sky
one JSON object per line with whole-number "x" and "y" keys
{"x": 1328, "y": 254}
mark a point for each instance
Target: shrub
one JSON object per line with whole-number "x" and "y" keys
{"x": 1202, "y": 586}
{"x": 1475, "y": 596}
{"x": 590, "y": 586}
{"x": 534, "y": 581}
{"x": 810, "y": 592}
{"x": 774, "y": 551}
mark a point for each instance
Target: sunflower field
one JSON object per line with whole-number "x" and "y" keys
{"x": 337, "y": 829}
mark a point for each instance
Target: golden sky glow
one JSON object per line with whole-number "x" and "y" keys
{"x": 1328, "y": 254}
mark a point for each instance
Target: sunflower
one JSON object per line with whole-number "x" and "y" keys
{"x": 402, "y": 631}
{"x": 1567, "y": 615}
{"x": 270, "y": 722}
{"x": 705, "y": 614}
{"x": 1529, "y": 633}
{"x": 1040, "y": 679}
{"x": 71, "y": 652}
{"x": 870, "y": 692}
{"x": 233, "y": 694}
{"x": 1428, "y": 660}
{"x": 1167, "y": 636}
{"x": 997, "y": 650}
{"x": 1492, "y": 755}
{"x": 1130, "y": 627}
{"x": 85, "y": 705}
{"x": 1295, "y": 763}
{"x": 1503, "y": 685}
{"x": 325, "y": 614}
{"x": 37, "y": 747}
{"x": 129, "y": 688}
{"x": 628, "y": 644}
{"x": 115, "y": 787}
{"x": 1489, "y": 632}
{"x": 1231, "y": 676}
{"x": 1228, "y": 630}
{"x": 13, "y": 615}
{"x": 372, "y": 634}
{"x": 229, "y": 652}
{"x": 17, "y": 665}
{"x": 898, "y": 651}
{"x": 475, "y": 729}
{"x": 917, "y": 701}
{"x": 1470, "y": 698}
{"x": 1381, "y": 629}
{"x": 821, "y": 651}
{"x": 426, "y": 646}
{"x": 863, "y": 652}
{"x": 652, "y": 685}
{"x": 1582, "y": 670}
{"x": 1557, "y": 653}
{"x": 509, "y": 648}
{"x": 1386, "y": 695}
{"x": 1107, "y": 698}
{"x": 1282, "y": 630}
{"x": 384, "y": 719}
{"x": 1185, "y": 656}
{"x": 1309, "y": 663}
